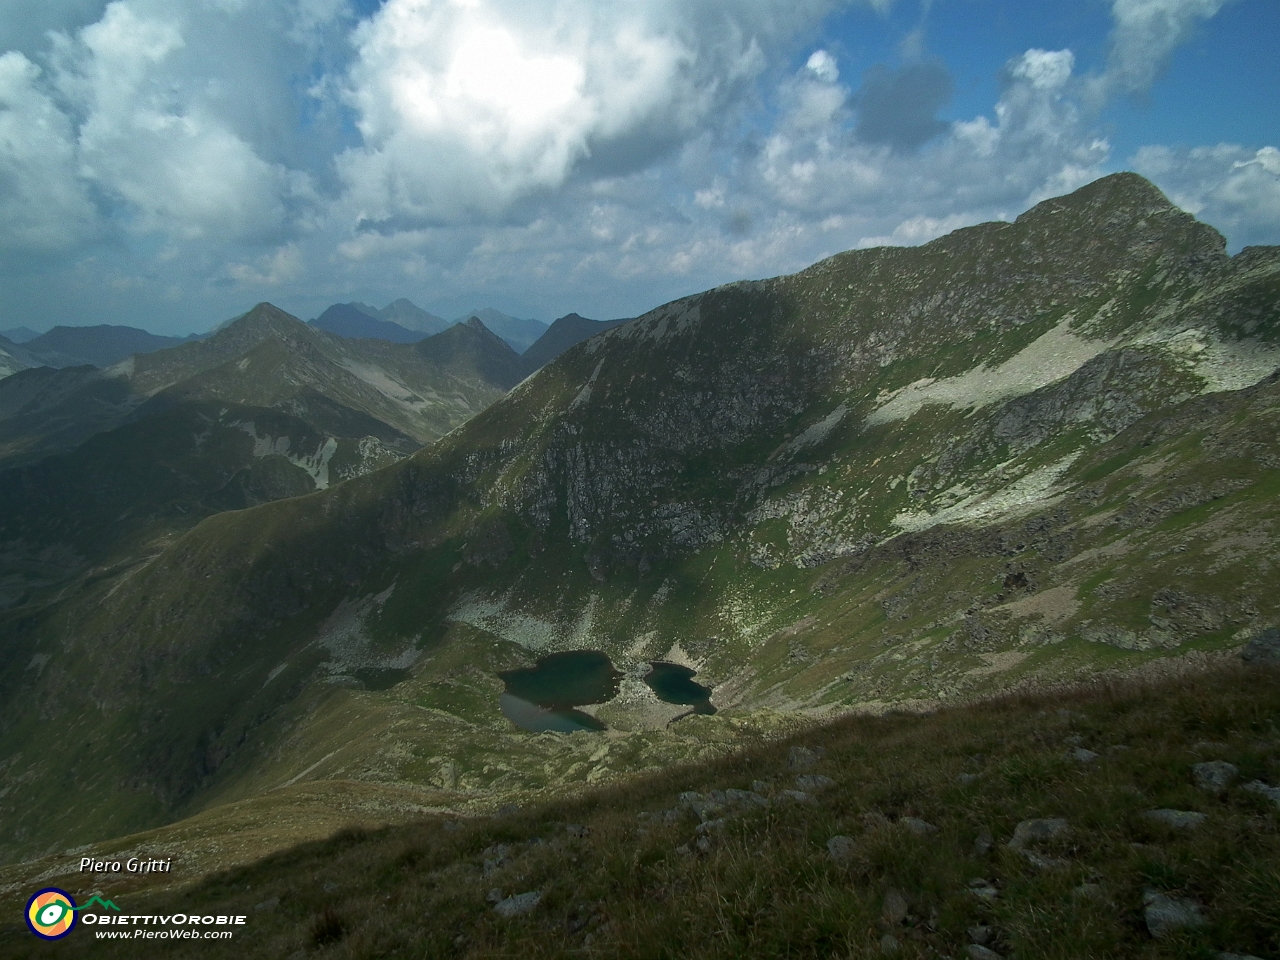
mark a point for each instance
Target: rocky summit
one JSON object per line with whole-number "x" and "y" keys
{"x": 1023, "y": 455}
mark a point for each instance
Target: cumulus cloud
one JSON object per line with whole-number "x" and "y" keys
{"x": 43, "y": 205}
{"x": 1236, "y": 189}
{"x": 1145, "y": 35}
{"x": 465, "y": 108}
{"x": 567, "y": 153}
{"x": 163, "y": 150}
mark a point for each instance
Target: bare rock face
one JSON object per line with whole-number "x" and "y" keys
{"x": 1263, "y": 650}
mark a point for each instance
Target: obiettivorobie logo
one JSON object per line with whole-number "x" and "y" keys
{"x": 51, "y": 913}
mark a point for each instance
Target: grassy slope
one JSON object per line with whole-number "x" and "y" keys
{"x": 638, "y": 885}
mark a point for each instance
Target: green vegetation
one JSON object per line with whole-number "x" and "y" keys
{"x": 620, "y": 876}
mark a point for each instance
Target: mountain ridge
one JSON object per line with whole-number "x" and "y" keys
{"x": 848, "y": 486}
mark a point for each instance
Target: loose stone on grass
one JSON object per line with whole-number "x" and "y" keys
{"x": 1214, "y": 776}
{"x": 1178, "y": 819}
{"x": 518, "y": 905}
{"x": 813, "y": 782}
{"x": 889, "y": 944}
{"x": 841, "y": 848}
{"x": 982, "y": 843}
{"x": 1037, "y": 831}
{"x": 977, "y": 951}
{"x": 894, "y": 909}
{"x": 921, "y": 828}
{"x": 1081, "y": 755}
{"x": 983, "y": 889}
{"x": 1166, "y": 915}
{"x": 1262, "y": 789}
{"x": 801, "y": 758}
{"x": 980, "y": 934}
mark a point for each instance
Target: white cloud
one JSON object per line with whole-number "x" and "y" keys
{"x": 270, "y": 270}
{"x": 468, "y": 108}
{"x": 823, "y": 66}
{"x": 572, "y": 154}
{"x": 1235, "y": 189}
{"x": 43, "y": 205}
{"x": 1044, "y": 69}
{"x": 154, "y": 143}
{"x": 1145, "y": 35}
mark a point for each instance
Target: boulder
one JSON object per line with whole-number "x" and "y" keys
{"x": 841, "y": 848}
{"x": 1262, "y": 789}
{"x": 1166, "y": 915}
{"x": 1030, "y": 832}
{"x": 1214, "y": 776}
{"x": 813, "y": 782}
{"x": 1178, "y": 819}
{"x": 894, "y": 910}
{"x": 518, "y": 905}
{"x": 1263, "y": 650}
{"x": 921, "y": 828}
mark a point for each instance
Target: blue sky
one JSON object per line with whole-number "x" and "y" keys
{"x": 169, "y": 163}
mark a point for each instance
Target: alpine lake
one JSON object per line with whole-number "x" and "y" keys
{"x": 546, "y": 696}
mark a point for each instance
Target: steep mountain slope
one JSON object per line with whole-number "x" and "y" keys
{"x": 520, "y": 334}
{"x": 13, "y": 358}
{"x": 19, "y": 334}
{"x": 407, "y": 314}
{"x": 1018, "y": 453}
{"x": 98, "y": 346}
{"x": 44, "y": 411}
{"x": 564, "y": 333}
{"x": 423, "y": 389}
{"x": 408, "y": 388}
{"x": 291, "y": 415}
{"x": 348, "y": 320}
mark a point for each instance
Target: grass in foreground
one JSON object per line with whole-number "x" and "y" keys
{"x": 628, "y": 872}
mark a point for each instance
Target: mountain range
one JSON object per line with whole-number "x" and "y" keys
{"x": 98, "y": 346}
{"x": 402, "y": 321}
{"x": 1023, "y": 453}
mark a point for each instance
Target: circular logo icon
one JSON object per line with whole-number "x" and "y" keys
{"x": 51, "y": 913}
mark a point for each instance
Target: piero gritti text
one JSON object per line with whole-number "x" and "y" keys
{"x": 132, "y": 865}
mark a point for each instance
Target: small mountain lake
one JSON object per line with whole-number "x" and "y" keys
{"x": 673, "y": 683}
{"x": 543, "y": 697}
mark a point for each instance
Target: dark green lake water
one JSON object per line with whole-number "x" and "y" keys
{"x": 673, "y": 683}
{"x": 543, "y": 697}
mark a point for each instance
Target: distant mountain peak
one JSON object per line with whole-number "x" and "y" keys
{"x": 266, "y": 314}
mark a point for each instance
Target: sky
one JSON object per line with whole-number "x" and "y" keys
{"x": 169, "y": 163}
